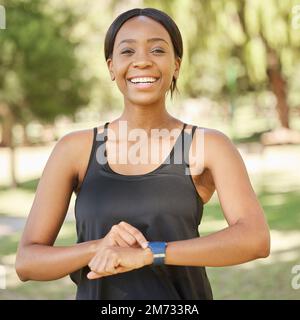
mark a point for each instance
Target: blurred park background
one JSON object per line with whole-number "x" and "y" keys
{"x": 240, "y": 74}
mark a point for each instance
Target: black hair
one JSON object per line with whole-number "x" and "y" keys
{"x": 161, "y": 17}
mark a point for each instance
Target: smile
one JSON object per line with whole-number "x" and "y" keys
{"x": 143, "y": 82}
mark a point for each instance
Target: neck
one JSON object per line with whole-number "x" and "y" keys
{"x": 147, "y": 117}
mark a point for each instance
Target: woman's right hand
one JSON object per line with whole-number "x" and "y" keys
{"x": 124, "y": 235}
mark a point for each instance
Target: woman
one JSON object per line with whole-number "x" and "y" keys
{"x": 128, "y": 212}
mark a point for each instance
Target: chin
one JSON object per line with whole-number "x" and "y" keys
{"x": 144, "y": 101}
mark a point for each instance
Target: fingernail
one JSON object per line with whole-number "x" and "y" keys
{"x": 145, "y": 245}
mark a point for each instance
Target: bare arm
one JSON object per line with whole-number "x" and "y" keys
{"x": 37, "y": 259}
{"x": 247, "y": 235}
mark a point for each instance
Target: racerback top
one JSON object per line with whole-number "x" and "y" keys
{"x": 163, "y": 204}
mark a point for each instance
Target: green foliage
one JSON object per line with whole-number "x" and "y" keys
{"x": 39, "y": 72}
{"x": 226, "y": 51}
{"x": 256, "y": 60}
{"x": 216, "y": 31}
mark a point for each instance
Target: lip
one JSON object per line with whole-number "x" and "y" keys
{"x": 143, "y": 76}
{"x": 144, "y": 85}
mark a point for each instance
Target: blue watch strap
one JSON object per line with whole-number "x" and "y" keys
{"x": 159, "y": 251}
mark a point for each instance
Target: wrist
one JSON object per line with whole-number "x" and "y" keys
{"x": 94, "y": 246}
{"x": 158, "y": 249}
{"x": 148, "y": 256}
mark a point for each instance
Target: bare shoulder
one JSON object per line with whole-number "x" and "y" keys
{"x": 218, "y": 147}
{"x": 214, "y": 135}
{"x": 216, "y": 138}
{"x": 73, "y": 145}
{"x": 76, "y": 146}
{"x": 76, "y": 139}
{"x": 67, "y": 155}
{"x": 80, "y": 143}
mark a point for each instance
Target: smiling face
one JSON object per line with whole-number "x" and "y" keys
{"x": 143, "y": 48}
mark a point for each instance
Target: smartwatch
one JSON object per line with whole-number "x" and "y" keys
{"x": 158, "y": 249}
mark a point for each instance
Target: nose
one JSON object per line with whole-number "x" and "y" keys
{"x": 142, "y": 61}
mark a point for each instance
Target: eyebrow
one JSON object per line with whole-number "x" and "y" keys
{"x": 149, "y": 40}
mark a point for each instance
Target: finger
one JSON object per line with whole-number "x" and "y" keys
{"x": 95, "y": 261}
{"x": 95, "y": 265}
{"x": 98, "y": 265}
{"x": 121, "y": 237}
{"x": 94, "y": 275}
{"x": 111, "y": 265}
{"x": 124, "y": 235}
{"x": 135, "y": 233}
{"x": 105, "y": 267}
{"x": 120, "y": 242}
{"x": 121, "y": 269}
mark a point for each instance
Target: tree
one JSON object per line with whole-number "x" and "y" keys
{"x": 40, "y": 76}
{"x": 252, "y": 40}
{"x": 273, "y": 43}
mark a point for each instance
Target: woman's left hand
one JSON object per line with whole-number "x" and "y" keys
{"x": 114, "y": 259}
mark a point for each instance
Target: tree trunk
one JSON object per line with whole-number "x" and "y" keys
{"x": 278, "y": 86}
{"x": 14, "y": 182}
{"x": 7, "y": 139}
{"x": 25, "y": 139}
{"x": 7, "y": 125}
{"x": 276, "y": 80}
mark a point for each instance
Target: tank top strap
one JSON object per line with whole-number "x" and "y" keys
{"x": 105, "y": 128}
{"x": 102, "y": 136}
{"x": 94, "y": 142}
{"x": 175, "y": 156}
{"x": 188, "y": 138}
{"x": 99, "y": 141}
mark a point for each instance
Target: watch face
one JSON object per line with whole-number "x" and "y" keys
{"x": 159, "y": 251}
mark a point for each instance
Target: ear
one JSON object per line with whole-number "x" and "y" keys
{"x": 110, "y": 68}
{"x": 177, "y": 67}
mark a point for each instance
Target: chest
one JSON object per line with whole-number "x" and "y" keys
{"x": 157, "y": 205}
{"x": 131, "y": 159}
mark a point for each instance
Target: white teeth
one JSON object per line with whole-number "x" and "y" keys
{"x": 146, "y": 79}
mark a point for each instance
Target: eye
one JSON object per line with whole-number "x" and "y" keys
{"x": 158, "y": 50}
{"x": 126, "y": 51}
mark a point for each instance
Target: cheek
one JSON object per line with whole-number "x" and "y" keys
{"x": 119, "y": 67}
{"x": 120, "y": 74}
{"x": 166, "y": 68}
{"x": 161, "y": 66}
{"x": 167, "y": 75}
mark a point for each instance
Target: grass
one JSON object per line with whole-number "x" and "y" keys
{"x": 282, "y": 210}
{"x": 29, "y": 185}
{"x": 263, "y": 278}
{"x": 61, "y": 289}
{"x": 262, "y": 282}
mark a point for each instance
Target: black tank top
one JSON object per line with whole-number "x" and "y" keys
{"x": 163, "y": 204}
